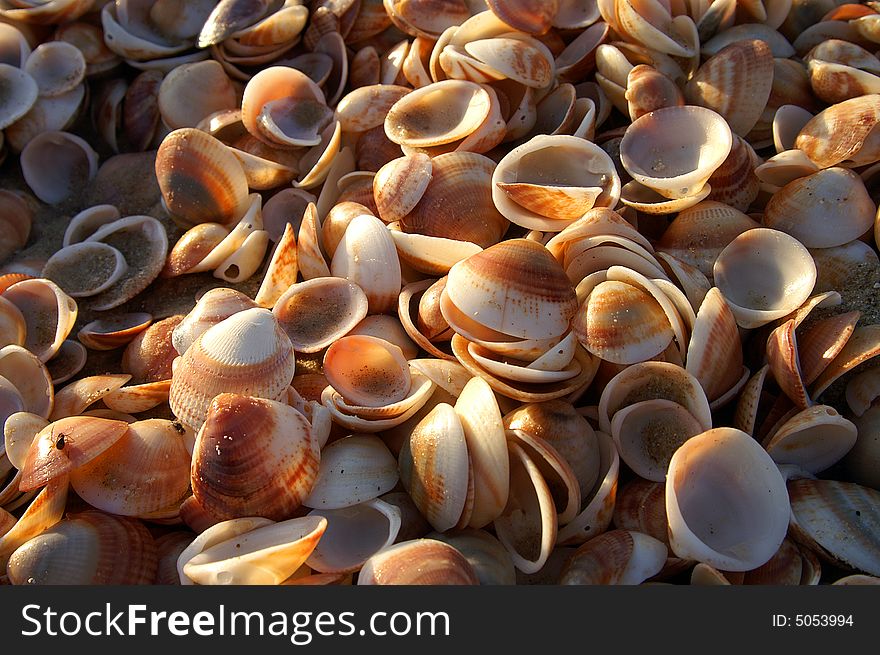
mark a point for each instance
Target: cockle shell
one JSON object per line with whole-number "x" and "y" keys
{"x": 438, "y": 564}
{"x": 367, "y": 370}
{"x": 814, "y": 439}
{"x": 616, "y": 557}
{"x": 242, "y": 434}
{"x": 843, "y": 133}
{"x": 107, "y": 334}
{"x": 57, "y": 164}
{"x": 213, "y": 307}
{"x": 732, "y": 531}
{"x": 247, "y": 353}
{"x": 48, "y": 312}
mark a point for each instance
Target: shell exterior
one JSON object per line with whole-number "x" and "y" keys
{"x": 248, "y": 353}
{"x": 439, "y": 564}
{"x": 616, "y": 557}
{"x": 242, "y": 434}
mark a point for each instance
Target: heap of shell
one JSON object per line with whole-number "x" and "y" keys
{"x": 440, "y": 292}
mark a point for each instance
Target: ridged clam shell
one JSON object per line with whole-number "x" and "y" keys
{"x": 863, "y": 344}
{"x": 253, "y": 457}
{"x": 354, "y": 470}
{"x": 840, "y": 520}
{"x": 621, "y": 323}
{"x": 490, "y": 560}
{"x": 434, "y": 467}
{"x": 459, "y": 189}
{"x": 353, "y": 535}
{"x": 735, "y": 182}
{"x": 319, "y": 311}
{"x": 735, "y": 82}
{"x": 762, "y": 289}
{"x": 149, "y": 355}
{"x": 88, "y": 548}
{"x": 517, "y": 57}
{"x": 660, "y": 161}
{"x": 843, "y": 133}
{"x": 213, "y": 307}
{"x": 861, "y": 463}
{"x": 497, "y": 287}
{"x": 618, "y": 557}
{"x": 250, "y": 551}
{"x": 800, "y": 208}
{"x": 247, "y": 353}
{"x": 551, "y": 180}
{"x": 726, "y": 501}
{"x": 400, "y": 184}
{"x": 147, "y": 469}
{"x": 418, "y": 562}
{"x": 814, "y": 439}
{"x": 67, "y": 444}
{"x": 48, "y": 312}
{"x": 648, "y": 89}
{"x": 641, "y": 507}
{"x": 715, "y": 355}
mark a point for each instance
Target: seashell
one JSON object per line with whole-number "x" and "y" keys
{"x": 434, "y": 471}
{"x": 366, "y": 107}
{"x": 193, "y": 247}
{"x": 839, "y": 520}
{"x": 400, "y": 184}
{"x": 779, "y": 45}
{"x": 534, "y": 184}
{"x": 648, "y": 89}
{"x": 250, "y": 551}
{"x": 840, "y": 70}
{"x": 578, "y": 58}
{"x": 106, "y": 266}
{"x": 648, "y": 433}
{"x": 44, "y": 511}
{"x": 617, "y": 557}
{"x": 282, "y": 105}
{"x": 460, "y": 187}
{"x": 354, "y": 470}
{"x": 13, "y": 328}
{"x": 843, "y": 133}
{"x": 861, "y": 461}
{"x": 24, "y": 371}
{"x": 88, "y": 221}
{"x": 835, "y": 265}
{"x": 718, "y": 85}
{"x": 213, "y": 307}
{"x": 241, "y": 431}
{"x": 788, "y": 121}
{"x": 621, "y": 323}
{"x": 512, "y": 305}
{"x": 353, "y": 535}
{"x": 481, "y": 423}
{"x": 490, "y": 560}
{"x": 200, "y": 179}
{"x": 229, "y": 17}
{"x": 798, "y": 208}
{"x": 388, "y": 328}
{"x": 247, "y": 353}
{"x": 814, "y": 439}
{"x": 857, "y": 579}
{"x": 138, "y": 398}
{"x": 148, "y": 357}
{"x": 87, "y": 548}
{"x": 862, "y": 390}
{"x": 520, "y": 58}
{"x": 146, "y": 469}
{"x": 191, "y": 92}
{"x": 65, "y": 445}
{"x": 19, "y": 430}
{"x": 418, "y": 562}
{"x": 22, "y": 96}
{"x": 43, "y": 305}
{"x": 413, "y": 321}
{"x": 143, "y": 242}
{"x": 367, "y": 371}
{"x": 528, "y": 526}
{"x": 735, "y": 182}
{"x": 74, "y": 398}
{"x": 168, "y": 548}
{"x": 15, "y": 46}
{"x": 714, "y": 354}
{"x": 766, "y": 287}
{"x": 646, "y": 142}
{"x": 56, "y": 66}
{"x": 47, "y": 114}
{"x": 107, "y": 334}
{"x": 140, "y": 110}
{"x": 861, "y": 346}
{"x": 734, "y": 532}
{"x": 56, "y": 164}
{"x": 366, "y": 256}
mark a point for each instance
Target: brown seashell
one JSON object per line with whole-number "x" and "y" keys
{"x": 241, "y": 433}
{"x": 418, "y": 562}
{"x": 149, "y": 355}
{"x": 107, "y": 334}
{"x": 617, "y": 557}
{"x": 843, "y": 133}
{"x": 140, "y": 109}
{"x": 367, "y": 371}
{"x": 648, "y": 89}
{"x": 735, "y": 182}
{"x": 66, "y": 444}
{"x": 88, "y": 548}
{"x": 736, "y": 83}
{"x": 400, "y": 184}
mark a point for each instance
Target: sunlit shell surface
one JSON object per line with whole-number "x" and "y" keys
{"x": 353, "y": 292}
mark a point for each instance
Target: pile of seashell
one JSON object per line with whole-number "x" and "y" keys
{"x": 439, "y": 292}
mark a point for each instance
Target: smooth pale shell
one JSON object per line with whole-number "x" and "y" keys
{"x": 726, "y": 501}
{"x": 353, "y": 535}
{"x": 367, "y": 370}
